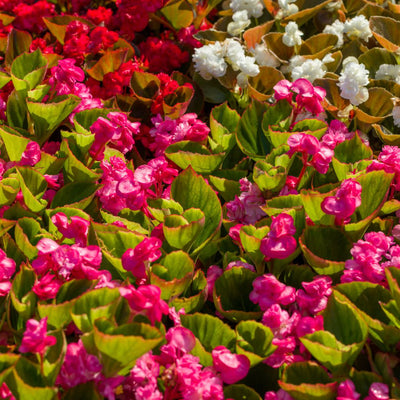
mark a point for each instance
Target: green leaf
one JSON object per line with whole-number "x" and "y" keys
{"x": 187, "y": 153}
{"x": 179, "y": 13}
{"x": 250, "y": 135}
{"x": 26, "y": 236}
{"x": 54, "y": 357}
{"x": 269, "y": 178}
{"x": 93, "y": 305}
{"x": 254, "y": 341}
{"x": 18, "y": 42}
{"x": 7, "y": 363}
{"x": 172, "y": 274}
{"x": 110, "y": 61}
{"x": 75, "y": 194}
{"x": 231, "y": 295}
{"x": 386, "y": 32}
{"x": 192, "y": 191}
{"x": 210, "y": 332}
{"x": 33, "y": 186}
{"x": 16, "y": 110}
{"x": 74, "y": 170}
{"x": 48, "y": 116}
{"x": 9, "y": 188}
{"x": 15, "y": 144}
{"x": 375, "y": 57}
{"x": 145, "y": 86}
{"x": 325, "y": 259}
{"x": 83, "y": 120}
{"x": 240, "y": 392}
{"x": 121, "y": 346}
{"x": 308, "y": 381}
{"x": 360, "y": 294}
{"x": 393, "y": 278}
{"x": 312, "y": 205}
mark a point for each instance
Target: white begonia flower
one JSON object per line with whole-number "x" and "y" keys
{"x": 292, "y": 35}
{"x": 286, "y": 8}
{"x": 254, "y": 8}
{"x": 352, "y": 81}
{"x": 264, "y": 56}
{"x": 396, "y": 115}
{"x": 388, "y": 71}
{"x": 357, "y": 28}
{"x": 334, "y": 5}
{"x": 240, "y": 22}
{"x": 337, "y": 29}
{"x": 209, "y": 61}
{"x": 310, "y": 69}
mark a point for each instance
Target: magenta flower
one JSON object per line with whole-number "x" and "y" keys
{"x": 283, "y": 90}
{"x": 345, "y": 202}
{"x": 308, "y": 96}
{"x": 146, "y": 300}
{"x": 77, "y": 228}
{"x": 378, "y": 391}
{"x": 35, "y": 339}
{"x": 31, "y": 155}
{"x": 7, "y": 270}
{"x": 135, "y": 260}
{"x": 269, "y": 291}
{"x": 213, "y": 273}
{"x": 232, "y": 367}
{"x": 279, "y": 322}
{"x": 347, "y": 391}
{"x": 78, "y": 366}
{"x": 279, "y": 242}
{"x": 303, "y": 143}
{"x": 279, "y": 395}
{"x": 314, "y": 297}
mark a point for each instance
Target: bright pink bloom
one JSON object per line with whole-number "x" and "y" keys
{"x": 283, "y": 90}
{"x": 347, "y": 391}
{"x": 308, "y": 96}
{"x": 78, "y": 367}
{"x": 279, "y": 395}
{"x": 345, "y": 202}
{"x": 7, "y": 270}
{"x": 284, "y": 352}
{"x": 303, "y": 143}
{"x": 246, "y": 207}
{"x": 5, "y": 392}
{"x": 31, "y": 156}
{"x": 35, "y": 339}
{"x": 232, "y": 367}
{"x": 269, "y": 291}
{"x": 146, "y": 300}
{"x": 279, "y": 242}
{"x": 146, "y": 251}
{"x": 77, "y": 228}
{"x": 279, "y": 322}
{"x": 314, "y": 297}
{"x": 378, "y": 391}
{"x": 321, "y": 160}
{"x": 47, "y": 286}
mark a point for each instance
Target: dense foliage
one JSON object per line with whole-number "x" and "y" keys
{"x": 199, "y": 199}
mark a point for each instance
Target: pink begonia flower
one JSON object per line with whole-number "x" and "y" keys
{"x": 279, "y": 395}
{"x": 269, "y": 291}
{"x": 107, "y": 386}
{"x": 279, "y": 322}
{"x": 64, "y": 76}
{"x": 75, "y": 228}
{"x": 290, "y": 186}
{"x": 246, "y": 207}
{"x": 279, "y": 242}
{"x": 78, "y": 366}
{"x": 7, "y": 270}
{"x": 31, "y": 155}
{"x": 145, "y": 300}
{"x": 336, "y": 133}
{"x": 389, "y": 161}
{"x": 308, "y": 96}
{"x": 141, "y": 384}
{"x": 347, "y": 391}
{"x": 345, "y": 202}
{"x": 284, "y": 352}
{"x": 321, "y": 160}
{"x": 5, "y": 392}
{"x": 378, "y": 391}
{"x": 35, "y": 339}
{"x": 283, "y": 90}
{"x": 213, "y": 273}
{"x": 242, "y": 264}
{"x": 232, "y": 367}
{"x": 308, "y": 325}
{"x": 303, "y": 143}
{"x": 47, "y": 287}
{"x": 135, "y": 260}
{"x": 314, "y": 297}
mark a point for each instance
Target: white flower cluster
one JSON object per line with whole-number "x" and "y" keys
{"x": 264, "y": 56}
{"x": 211, "y": 61}
{"x": 352, "y": 81}
{"x": 292, "y": 35}
{"x": 254, "y": 8}
{"x": 286, "y": 8}
{"x": 355, "y": 28}
{"x": 388, "y": 71}
{"x": 240, "y": 22}
{"x": 301, "y": 67}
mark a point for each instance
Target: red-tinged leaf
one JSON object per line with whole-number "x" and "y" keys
{"x": 179, "y": 13}
{"x": 109, "y": 62}
{"x": 175, "y": 104}
{"x": 386, "y": 31}
{"x": 261, "y": 86}
{"x": 254, "y": 35}
{"x": 274, "y": 42}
